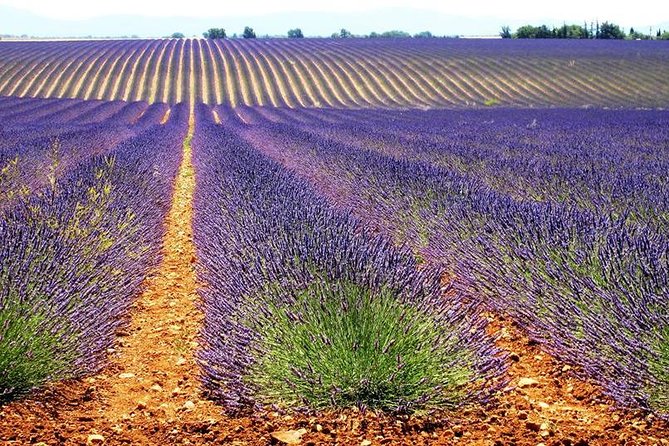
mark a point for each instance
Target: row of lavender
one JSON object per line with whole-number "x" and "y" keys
{"x": 74, "y": 252}
{"x": 589, "y": 284}
{"x": 306, "y": 308}
{"x": 42, "y": 139}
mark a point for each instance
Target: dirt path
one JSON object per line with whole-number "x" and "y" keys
{"x": 158, "y": 375}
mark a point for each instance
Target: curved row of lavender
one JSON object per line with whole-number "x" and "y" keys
{"x": 355, "y": 73}
{"x": 589, "y": 284}
{"x": 285, "y": 273}
{"x": 74, "y": 253}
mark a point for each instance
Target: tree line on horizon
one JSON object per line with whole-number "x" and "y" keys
{"x": 595, "y": 30}
{"x": 296, "y": 33}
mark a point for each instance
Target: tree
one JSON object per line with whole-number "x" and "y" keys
{"x": 544, "y": 33}
{"x": 295, "y": 33}
{"x": 506, "y": 32}
{"x": 249, "y": 33}
{"x": 610, "y": 31}
{"x": 393, "y": 33}
{"x": 576, "y": 32}
{"x": 561, "y": 33}
{"x": 526, "y": 32}
{"x": 345, "y": 34}
{"x": 214, "y": 33}
{"x": 423, "y": 35}
{"x": 177, "y": 35}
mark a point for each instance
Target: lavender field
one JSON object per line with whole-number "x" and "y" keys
{"x": 360, "y": 213}
{"x": 358, "y": 73}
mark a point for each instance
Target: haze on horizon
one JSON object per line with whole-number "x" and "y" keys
{"x": 84, "y": 17}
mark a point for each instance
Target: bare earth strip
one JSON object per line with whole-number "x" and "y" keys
{"x": 159, "y": 375}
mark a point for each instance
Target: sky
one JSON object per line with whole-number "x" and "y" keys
{"x": 320, "y": 18}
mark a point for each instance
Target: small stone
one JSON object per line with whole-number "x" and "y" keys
{"x": 95, "y": 439}
{"x": 189, "y": 405}
{"x": 141, "y": 405}
{"x": 289, "y": 437}
{"x": 126, "y": 375}
{"x": 545, "y": 434}
{"x": 181, "y": 361}
{"x": 319, "y": 428}
{"x": 531, "y": 425}
{"x": 527, "y": 382}
{"x": 157, "y": 388}
{"x": 543, "y": 405}
{"x": 639, "y": 426}
{"x": 365, "y": 443}
{"x": 566, "y": 368}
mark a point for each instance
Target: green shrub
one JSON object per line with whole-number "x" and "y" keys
{"x": 341, "y": 344}
{"x": 31, "y": 349}
{"x": 659, "y": 367}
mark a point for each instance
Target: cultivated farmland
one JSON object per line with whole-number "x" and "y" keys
{"x": 342, "y": 73}
{"x": 353, "y": 241}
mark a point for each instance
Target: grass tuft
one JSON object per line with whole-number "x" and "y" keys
{"x": 31, "y": 350}
{"x": 658, "y": 390}
{"x": 342, "y": 344}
